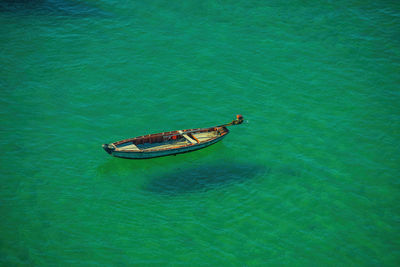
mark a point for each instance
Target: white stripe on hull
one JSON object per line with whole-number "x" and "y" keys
{"x": 153, "y": 154}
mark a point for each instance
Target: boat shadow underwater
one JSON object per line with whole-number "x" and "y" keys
{"x": 204, "y": 177}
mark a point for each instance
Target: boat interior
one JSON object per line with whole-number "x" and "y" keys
{"x": 169, "y": 140}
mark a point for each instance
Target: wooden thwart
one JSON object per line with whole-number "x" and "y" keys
{"x": 188, "y": 138}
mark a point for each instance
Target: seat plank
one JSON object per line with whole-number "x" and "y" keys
{"x": 191, "y": 140}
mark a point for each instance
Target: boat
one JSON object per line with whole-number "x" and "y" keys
{"x": 169, "y": 143}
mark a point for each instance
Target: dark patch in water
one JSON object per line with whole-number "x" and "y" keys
{"x": 24, "y": 255}
{"x": 203, "y": 178}
{"x": 289, "y": 171}
{"x": 49, "y": 7}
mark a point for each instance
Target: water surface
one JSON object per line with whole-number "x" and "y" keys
{"x": 311, "y": 179}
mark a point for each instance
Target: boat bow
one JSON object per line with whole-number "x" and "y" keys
{"x": 108, "y": 148}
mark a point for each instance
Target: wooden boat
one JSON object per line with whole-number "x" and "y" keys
{"x": 169, "y": 143}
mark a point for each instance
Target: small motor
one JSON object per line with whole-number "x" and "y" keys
{"x": 239, "y": 119}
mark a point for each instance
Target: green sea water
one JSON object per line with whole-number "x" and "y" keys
{"x": 311, "y": 178}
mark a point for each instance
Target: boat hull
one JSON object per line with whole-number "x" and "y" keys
{"x": 169, "y": 143}
{"x": 162, "y": 153}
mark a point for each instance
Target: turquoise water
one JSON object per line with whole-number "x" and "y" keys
{"x": 311, "y": 179}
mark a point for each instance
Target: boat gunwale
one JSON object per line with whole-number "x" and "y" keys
{"x": 172, "y": 133}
